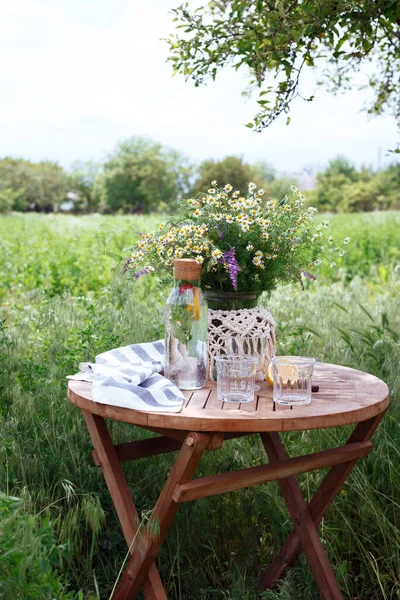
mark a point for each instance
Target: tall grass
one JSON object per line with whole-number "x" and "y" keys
{"x": 61, "y": 304}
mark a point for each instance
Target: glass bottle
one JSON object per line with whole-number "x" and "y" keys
{"x": 186, "y": 328}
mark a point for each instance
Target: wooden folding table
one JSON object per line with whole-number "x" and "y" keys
{"x": 345, "y": 397}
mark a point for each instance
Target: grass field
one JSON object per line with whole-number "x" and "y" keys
{"x": 61, "y": 303}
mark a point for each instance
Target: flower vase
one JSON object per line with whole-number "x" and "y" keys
{"x": 237, "y": 316}
{"x": 219, "y": 300}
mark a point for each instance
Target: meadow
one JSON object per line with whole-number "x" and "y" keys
{"x": 61, "y": 303}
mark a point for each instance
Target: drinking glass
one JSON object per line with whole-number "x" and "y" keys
{"x": 292, "y": 379}
{"x": 254, "y": 345}
{"x": 236, "y": 376}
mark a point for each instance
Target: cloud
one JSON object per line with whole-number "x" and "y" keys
{"x": 79, "y": 75}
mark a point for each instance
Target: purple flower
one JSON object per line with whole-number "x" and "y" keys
{"x": 233, "y": 266}
{"x": 219, "y": 232}
{"x": 126, "y": 265}
{"x": 140, "y": 273}
{"x": 301, "y": 281}
{"x": 307, "y": 274}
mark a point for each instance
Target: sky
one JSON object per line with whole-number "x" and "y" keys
{"x": 78, "y": 76}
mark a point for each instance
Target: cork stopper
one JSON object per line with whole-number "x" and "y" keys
{"x": 187, "y": 269}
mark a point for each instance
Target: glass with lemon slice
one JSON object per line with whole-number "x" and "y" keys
{"x": 292, "y": 377}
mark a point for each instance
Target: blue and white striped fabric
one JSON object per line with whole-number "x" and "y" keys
{"x": 130, "y": 377}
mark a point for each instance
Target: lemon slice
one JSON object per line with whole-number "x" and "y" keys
{"x": 270, "y": 374}
{"x": 286, "y": 372}
{"x": 196, "y": 306}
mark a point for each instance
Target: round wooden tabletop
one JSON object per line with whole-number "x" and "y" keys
{"x": 345, "y": 396}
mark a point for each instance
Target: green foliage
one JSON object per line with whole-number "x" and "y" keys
{"x": 8, "y": 197}
{"x": 230, "y": 169}
{"x": 25, "y": 185}
{"x": 141, "y": 174}
{"x": 239, "y": 173}
{"x": 29, "y": 556}
{"x": 276, "y": 41}
{"x": 341, "y": 188}
{"x": 82, "y": 179}
{"x": 279, "y": 187}
{"x": 181, "y": 320}
{"x": 243, "y": 243}
{"x": 374, "y": 250}
{"x": 216, "y": 547}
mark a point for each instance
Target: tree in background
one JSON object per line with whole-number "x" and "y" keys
{"x": 379, "y": 191}
{"x": 230, "y": 169}
{"x": 341, "y": 188}
{"x": 233, "y": 170}
{"x": 83, "y": 175}
{"x": 275, "y": 187}
{"x": 141, "y": 176}
{"x": 277, "y": 39}
{"x": 328, "y": 194}
{"x": 52, "y": 186}
{"x": 8, "y": 197}
{"x": 264, "y": 171}
{"x": 32, "y": 186}
{"x": 17, "y": 182}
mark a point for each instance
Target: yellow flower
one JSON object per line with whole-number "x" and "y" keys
{"x": 258, "y": 262}
{"x": 199, "y": 260}
{"x": 216, "y": 253}
{"x": 228, "y": 187}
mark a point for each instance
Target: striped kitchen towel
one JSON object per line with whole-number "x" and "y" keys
{"x": 130, "y": 377}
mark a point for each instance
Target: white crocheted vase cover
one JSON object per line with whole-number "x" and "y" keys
{"x": 254, "y": 333}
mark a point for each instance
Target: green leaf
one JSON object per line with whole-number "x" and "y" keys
{"x": 281, "y": 9}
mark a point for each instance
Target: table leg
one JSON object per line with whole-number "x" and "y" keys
{"x": 127, "y": 514}
{"x": 303, "y": 522}
{"x": 319, "y": 504}
{"x": 151, "y": 539}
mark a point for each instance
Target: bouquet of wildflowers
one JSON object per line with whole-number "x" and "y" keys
{"x": 246, "y": 243}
